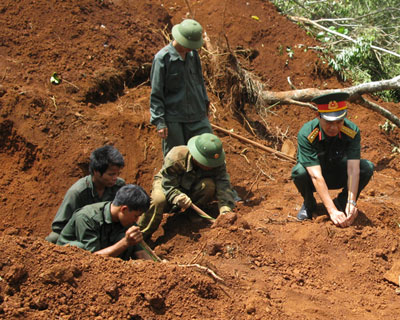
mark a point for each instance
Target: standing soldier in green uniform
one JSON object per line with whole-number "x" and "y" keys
{"x": 195, "y": 172}
{"x": 109, "y": 228}
{"x": 178, "y": 101}
{"x": 328, "y": 157}
{"x": 101, "y": 185}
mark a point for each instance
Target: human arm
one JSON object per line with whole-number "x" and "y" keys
{"x": 338, "y": 217}
{"x": 157, "y": 98}
{"x": 132, "y": 237}
{"x": 176, "y": 174}
{"x": 224, "y": 192}
{"x": 353, "y": 174}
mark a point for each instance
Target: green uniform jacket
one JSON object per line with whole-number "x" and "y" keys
{"x": 92, "y": 229}
{"x": 179, "y": 175}
{"x": 315, "y": 148}
{"x": 80, "y": 194}
{"x": 178, "y": 93}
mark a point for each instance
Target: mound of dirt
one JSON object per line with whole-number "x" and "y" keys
{"x": 261, "y": 265}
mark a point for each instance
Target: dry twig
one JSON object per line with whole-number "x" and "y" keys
{"x": 252, "y": 185}
{"x": 202, "y": 268}
{"x": 197, "y": 255}
{"x": 53, "y": 98}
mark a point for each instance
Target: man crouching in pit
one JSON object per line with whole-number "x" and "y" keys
{"x": 196, "y": 172}
{"x": 109, "y": 228}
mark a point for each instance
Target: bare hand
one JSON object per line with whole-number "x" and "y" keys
{"x": 339, "y": 219}
{"x": 352, "y": 212}
{"x": 163, "y": 133}
{"x": 133, "y": 236}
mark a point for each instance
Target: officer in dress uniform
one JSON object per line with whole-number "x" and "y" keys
{"x": 328, "y": 157}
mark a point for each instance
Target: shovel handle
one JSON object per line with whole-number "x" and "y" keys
{"x": 201, "y": 213}
{"x": 150, "y": 252}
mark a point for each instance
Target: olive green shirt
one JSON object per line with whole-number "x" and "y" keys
{"x": 178, "y": 175}
{"x": 80, "y": 194}
{"x": 178, "y": 93}
{"x": 92, "y": 229}
{"x": 316, "y": 148}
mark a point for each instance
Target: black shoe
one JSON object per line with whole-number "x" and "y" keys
{"x": 304, "y": 213}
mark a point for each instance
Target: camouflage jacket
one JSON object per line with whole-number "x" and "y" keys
{"x": 178, "y": 175}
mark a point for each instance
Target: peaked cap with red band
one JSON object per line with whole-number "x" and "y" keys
{"x": 332, "y": 106}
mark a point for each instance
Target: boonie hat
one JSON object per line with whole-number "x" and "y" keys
{"x": 207, "y": 150}
{"x": 189, "y": 34}
{"x": 332, "y": 106}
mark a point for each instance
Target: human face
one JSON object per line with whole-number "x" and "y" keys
{"x": 197, "y": 164}
{"x": 331, "y": 128}
{"x": 181, "y": 49}
{"x": 108, "y": 178}
{"x": 128, "y": 217}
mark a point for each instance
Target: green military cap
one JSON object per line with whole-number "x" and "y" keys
{"x": 332, "y": 106}
{"x": 207, "y": 150}
{"x": 189, "y": 34}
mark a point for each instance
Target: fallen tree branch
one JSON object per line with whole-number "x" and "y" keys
{"x": 355, "y": 92}
{"x": 258, "y": 145}
{"x": 246, "y": 87}
{"x": 308, "y": 21}
{"x": 207, "y": 270}
{"x": 384, "y": 112}
{"x": 303, "y": 95}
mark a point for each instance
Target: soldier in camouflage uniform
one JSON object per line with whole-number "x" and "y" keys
{"x": 328, "y": 157}
{"x": 195, "y": 172}
{"x": 178, "y": 99}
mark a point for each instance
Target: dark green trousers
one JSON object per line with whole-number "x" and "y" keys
{"x": 335, "y": 178}
{"x": 179, "y": 133}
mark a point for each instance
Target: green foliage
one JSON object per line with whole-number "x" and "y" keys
{"x": 395, "y": 149}
{"x": 367, "y": 22}
{"x": 387, "y": 126}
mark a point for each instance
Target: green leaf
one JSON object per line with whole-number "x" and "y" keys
{"x": 343, "y": 30}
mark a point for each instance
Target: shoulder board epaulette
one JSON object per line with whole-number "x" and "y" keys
{"x": 311, "y": 137}
{"x": 350, "y": 132}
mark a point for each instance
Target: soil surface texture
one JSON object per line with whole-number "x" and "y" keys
{"x": 265, "y": 264}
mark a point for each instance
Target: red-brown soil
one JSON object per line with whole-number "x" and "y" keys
{"x": 272, "y": 266}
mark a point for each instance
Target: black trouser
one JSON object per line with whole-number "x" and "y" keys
{"x": 335, "y": 178}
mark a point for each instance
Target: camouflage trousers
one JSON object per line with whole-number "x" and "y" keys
{"x": 201, "y": 193}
